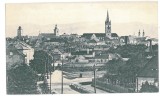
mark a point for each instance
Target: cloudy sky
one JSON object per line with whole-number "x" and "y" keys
{"x": 126, "y": 17}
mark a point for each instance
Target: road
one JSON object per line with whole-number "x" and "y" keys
{"x": 56, "y": 83}
{"x": 56, "y": 80}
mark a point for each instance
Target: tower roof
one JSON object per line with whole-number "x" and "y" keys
{"x": 19, "y": 28}
{"x": 107, "y": 16}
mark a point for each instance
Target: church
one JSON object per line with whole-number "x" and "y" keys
{"x": 49, "y": 36}
{"x": 108, "y": 35}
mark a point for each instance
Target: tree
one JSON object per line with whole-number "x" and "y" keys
{"x": 113, "y": 65}
{"x": 41, "y": 62}
{"x": 128, "y": 51}
{"x": 21, "y": 80}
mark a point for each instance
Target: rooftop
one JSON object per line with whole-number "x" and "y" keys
{"x": 88, "y": 35}
{"x": 92, "y": 41}
{"x": 150, "y": 69}
{"x": 82, "y": 53}
{"x": 48, "y": 35}
{"x": 103, "y": 56}
{"x": 114, "y": 35}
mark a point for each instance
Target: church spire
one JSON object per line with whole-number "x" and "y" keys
{"x": 143, "y": 33}
{"x": 139, "y": 33}
{"x": 107, "y": 16}
{"x": 108, "y": 26}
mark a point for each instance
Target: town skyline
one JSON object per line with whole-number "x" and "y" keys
{"x": 82, "y": 48}
{"x": 124, "y": 22}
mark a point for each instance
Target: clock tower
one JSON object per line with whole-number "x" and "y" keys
{"x": 108, "y": 26}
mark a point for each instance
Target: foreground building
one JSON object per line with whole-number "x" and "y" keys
{"x": 148, "y": 74}
{"x": 13, "y": 57}
{"x": 25, "y": 49}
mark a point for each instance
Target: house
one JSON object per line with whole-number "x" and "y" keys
{"x": 25, "y": 49}
{"x": 92, "y": 42}
{"x": 132, "y": 39}
{"x": 85, "y": 53}
{"x": 154, "y": 41}
{"x": 47, "y": 36}
{"x": 64, "y": 35}
{"x": 149, "y": 73}
{"x": 79, "y": 59}
{"x": 102, "y": 58}
{"x": 99, "y": 36}
{"x": 101, "y": 47}
{"x": 55, "y": 41}
{"x": 124, "y": 40}
{"x": 57, "y": 54}
{"x": 114, "y": 36}
{"x": 113, "y": 56}
{"x": 138, "y": 39}
{"x": 13, "y": 57}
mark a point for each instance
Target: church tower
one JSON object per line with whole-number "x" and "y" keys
{"x": 108, "y": 26}
{"x": 56, "y": 30}
{"x": 143, "y": 33}
{"x": 19, "y": 32}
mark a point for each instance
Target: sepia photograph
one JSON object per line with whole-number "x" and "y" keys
{"x": 102, "y": 47}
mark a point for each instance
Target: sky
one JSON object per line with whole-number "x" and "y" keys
{"x": 127, "y": 17}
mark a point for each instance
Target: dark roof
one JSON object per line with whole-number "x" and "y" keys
{"x": 100, "y": 34}
{"x": 124, "y": 37}
{"x": 12, "y": 48}
{"x": 114, "y": 35}
{"x": 103, "y": 56}
{"x": 88, "y": 35}
{"x": 60, "y": 40}
{"x": 48, "y": 35}
{"x": 150, "y": 69}
{"x": 82, "y": 53}
{"x": 92, "y": 41}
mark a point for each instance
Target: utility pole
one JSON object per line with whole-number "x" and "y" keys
{"x": 62, "y": 75}
{"x": 50, "y": 76}
{"x": 50, "y": 81}
{"x": 94, "y": 78}
{"x": 47, "y": 65}
{"x": 45, "y": 71}
{"x": 50, "y": 69}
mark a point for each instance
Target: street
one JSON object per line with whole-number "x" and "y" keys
{"x": 57, "y": 79}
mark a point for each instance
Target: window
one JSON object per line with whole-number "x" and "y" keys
{"x": 10, "y": 53}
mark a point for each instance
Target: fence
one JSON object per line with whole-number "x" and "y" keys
{"x": 110, "y": 87}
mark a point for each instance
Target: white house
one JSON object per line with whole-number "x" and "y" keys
{"x": 27, "y": 50}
